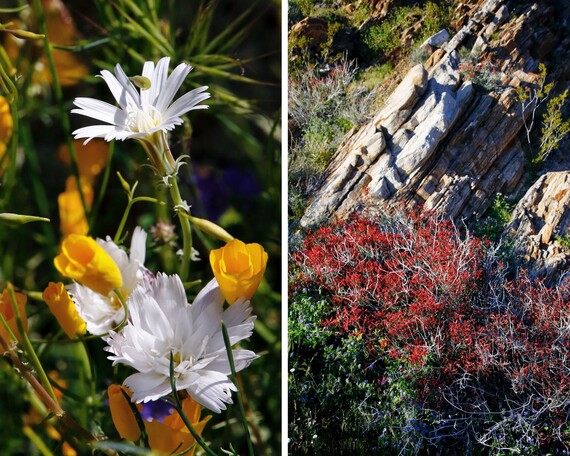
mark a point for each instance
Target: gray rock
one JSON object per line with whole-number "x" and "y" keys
{"x": 436, "y": 41}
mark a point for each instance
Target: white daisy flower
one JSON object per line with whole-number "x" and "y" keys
{"x": 162, "y": 322}
{"x": 144, "y": 115}
{"x": 102, "y": 313}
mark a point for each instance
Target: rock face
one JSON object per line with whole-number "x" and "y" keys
{"x": 442, "y": 141}
{"x": 313, "y": 29}
{"x": 540, "y": 219}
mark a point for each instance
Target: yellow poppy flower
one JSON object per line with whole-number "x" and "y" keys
{"x": 122, "y": 414}
{"x": 173, "y": 435}
{"x": 72, "y": 218}
{"x": 63, "y": 308}
{"x": 91, "y": 157}
{"x": 167, "y": 437}
{"x": 238, "y": 268}
{"x": 8, "y": 313}
{"x": 86, "y": 262}
{"x": 6, "y": 126}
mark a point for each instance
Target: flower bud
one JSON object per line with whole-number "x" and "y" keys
{"x": 122, "y": 414}
{"x": 18, "y": 219}
{"x": 63, "y": 308}
{"x": 210, "y": 228}
{"x": 7, "y": 312}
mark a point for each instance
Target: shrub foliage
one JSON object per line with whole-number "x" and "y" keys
{"x": 407, "y": 334}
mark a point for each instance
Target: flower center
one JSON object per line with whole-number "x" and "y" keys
{"x": 142, "y": 121}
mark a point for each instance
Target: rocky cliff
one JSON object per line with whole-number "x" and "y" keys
{"x": 450, "y": 137}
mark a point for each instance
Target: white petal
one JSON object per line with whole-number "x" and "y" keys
{"x": 242, "y": 359}
{"x": 119, "y": 92}
{"x": 138, "y": 245}
{"x": 171, "y": 86}
{"x": 147, "y": 387}
{"x": 169, "y": 292}
{"x": 211, "y": 389}
{"x": 100, "y": 110}
{"x": 97, "y": 310}
{"x": 147, "y": 72}
{"x": 187, "y": 102}
{"x": 147, "y": 315}
{"x": 94, "y": 131}
{"x": 129, "y": 92}
{"x": 159, "y": 79}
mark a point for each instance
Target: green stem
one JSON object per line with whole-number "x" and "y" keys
{"x": 178, "y": 406}
{"x": 132, "y": 201}
{"x": 104, "y": 184}
{"x": 234, "y": 379}
{"x": 179, "y": 206}
{"x": 37, "y": 441}
{"x": 28, "y": 348}
{"x": 12, "y": 95}
{"x": 59, "y": 98}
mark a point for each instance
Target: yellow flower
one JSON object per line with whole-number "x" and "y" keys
{"x": 86, "y": 262}
{"x": 72, "y": 218}
{"x": 122, "y": 414}
{"x": 238, "y": 268}
{"x": 63, "y": 308}
{"x": 91, "y": 157}
{"x": 8, "y": 313}
{"x": 6, "y": 125}
{"x": 173, "y": 434}
{"x": 164, "y": 437}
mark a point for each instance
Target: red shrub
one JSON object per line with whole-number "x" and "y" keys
{"x": 474, "y": 343}
{"x": 411, "y": 284}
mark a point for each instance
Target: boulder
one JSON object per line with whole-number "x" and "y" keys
{"x": 539, "y": 221}
{"x": 435, "y": 41}
{"x": 313, "y": 29}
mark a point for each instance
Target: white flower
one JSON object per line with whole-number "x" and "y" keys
{"x": 102, "y": 313}
{"x": 162, "y": 322}
{"x": 140, "y": 114}
{"x": 146, "y": 115}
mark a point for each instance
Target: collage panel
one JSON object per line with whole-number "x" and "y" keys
{"x": 140, "y": 227}
{"x": 428, "y": 224}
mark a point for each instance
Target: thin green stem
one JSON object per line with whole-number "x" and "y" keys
{"x": 238, "y": 393}
{"x": 12, "y": 95}
{"x": 28, "y": 348}
{"x": 85, "y": 361}
{"x": 132, "y": 201}
{"x": 37, "y": 441}
{"x": 59, "y": 99}
{"x": 104, "y": 184}
{"x": 180, "y": 206}
{"x": 178, "y": 406}
{"x": 125, "y": 308}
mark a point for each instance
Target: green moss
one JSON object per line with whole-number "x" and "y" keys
{"x": 375, "y": 76}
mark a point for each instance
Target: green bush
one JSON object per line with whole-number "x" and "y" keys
{"x": 495, "y": 219}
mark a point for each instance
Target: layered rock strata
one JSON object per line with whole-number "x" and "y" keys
{"x": 442, "y": 141}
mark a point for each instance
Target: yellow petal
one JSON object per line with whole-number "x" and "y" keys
{"x": 6, "y": 122}
{"x": 238, "y": 268}
{"x": 122, "y": 414}
{"x": 72, "y": 218}
{"x": 172, "y": 435}
{"x": 8, "y": 313}
{"x": 91, "y": 157}
{"x": 63, "y": 308}
{"x": 85, "y": 261}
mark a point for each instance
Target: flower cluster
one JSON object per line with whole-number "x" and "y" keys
{"x": 175, "y": 347}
